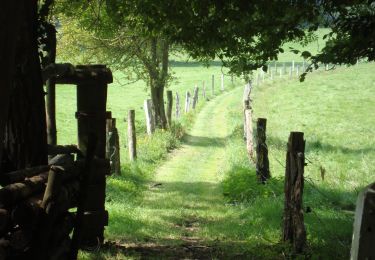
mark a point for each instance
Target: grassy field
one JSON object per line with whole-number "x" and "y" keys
{"x": 204, "y": 195}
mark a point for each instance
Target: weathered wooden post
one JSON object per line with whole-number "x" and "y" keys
{"x": 150, "y": 123}
{"x": 213, "y": 85}
{"x": 246, "y": 105}
{"x": 222, "y": 81}
{"x": 290, "y": 72}
{"x": 92, "y": 83}
{"x": 187, "y": 102}
{"x": 195, "y": 96}
{"x": 281, "y": 73}
{"x": 293, "y": 226}
{"x": 203, "y": 90}
{"x": 364, "y": 226}
{"x": 249, "y": 133}
{"x": 297, "y": 71}
{"x": 113, "y": 146}
{"x": 262, "y": 162}
{"x": 132, "y": 139}
{"x": 51, "y": 89}
{"x": 292, "y": 65}
{"x": 169, "y": 107}
{"x": 178, "y": 106}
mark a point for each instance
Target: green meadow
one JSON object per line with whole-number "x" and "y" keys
{"x": 194, "y": 187}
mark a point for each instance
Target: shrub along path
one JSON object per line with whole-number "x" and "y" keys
{"x": 184, "y": 213}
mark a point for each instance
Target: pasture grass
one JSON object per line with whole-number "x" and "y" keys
{"x": 334, "y": 109}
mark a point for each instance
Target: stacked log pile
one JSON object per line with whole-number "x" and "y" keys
{"x": 36, "y": 216}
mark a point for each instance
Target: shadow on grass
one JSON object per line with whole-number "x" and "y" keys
{"x": 204, "y": 141}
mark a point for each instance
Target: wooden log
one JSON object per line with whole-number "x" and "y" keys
{"x": 213, "y": 85}
{"x": 113, "y": 146}
{"x": 63, "y": 149}
{"x": 53, "y": 188}
{"x": 187, "y": 102}
{"x": 18, "y": 176}
{"x": 26, "y": 214}
{"x": 16, "y": 192}
{"x": 150, "y": 124}
{"x": 55, "y": 69}
{"x": 62, "y": 159}
{"x": 49, "y": 205}
{"x": 195, "y": 97}
{"x": 364, "y": 225}
{"x": 178, "y": 106}
{"x": 132, "y": 139}
{"x": 169, "y": 107}
{"x": 294, "y": 230}
{"x": 262, "y": 162}
{"x": 86, "y": 75}
{"x": 4, "y": 221}
{"x": 249, "y": 134}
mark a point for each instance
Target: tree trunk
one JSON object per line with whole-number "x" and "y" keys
{"x": 9, "y": 31}
{"x": 25, "y": 142}
{"x": 158, "y": 80}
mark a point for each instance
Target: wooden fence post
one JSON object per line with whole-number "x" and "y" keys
{"x": 262, "y": 162}
{"x": 213, "y": 85}
{"x": 246, "y": 105}
{"x": 132, "y": 139}
{"x": 169, "y": 107}
{"x": 51, "y": 90}
{"x": 149, "y": 116}
{"x": 187, "y": 102}
{"x": 113, "y": 152}
{"x": 297, "y": 71}
{"x": 222, "y": 81}
{"x": 203, "y": 90}
{"x": 195, "y": 96}
{"x": 293, "y": 226}
{"x": 249, "y": 134}
{"x": 364, "y": 225}
{"x": 292, "y": 65}
{"x": 178, "y": 106}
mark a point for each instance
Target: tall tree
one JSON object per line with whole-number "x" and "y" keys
{"x": 246, "y": 34}
{"x": 100, "y": 33}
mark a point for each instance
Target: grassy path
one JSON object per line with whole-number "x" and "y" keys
{"x": 184, "y": 212}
